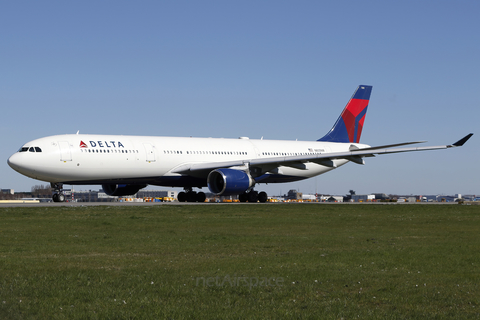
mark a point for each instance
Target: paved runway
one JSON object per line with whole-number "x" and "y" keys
{"x": 90, "y": 204}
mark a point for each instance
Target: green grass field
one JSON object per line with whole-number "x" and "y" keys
{"x": 313, "y": 261}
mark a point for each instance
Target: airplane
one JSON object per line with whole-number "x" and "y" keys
{"x": 123, "y": 165}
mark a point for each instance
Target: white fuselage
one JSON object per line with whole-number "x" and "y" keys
{"x": 97, "y": 159}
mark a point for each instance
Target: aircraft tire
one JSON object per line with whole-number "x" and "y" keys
{"x": 253, "y": 196}
{"x": 262, "y": 197}
{"x": 243, "y": 197}
{"x": 201, "y": 197}
{"x": 61, "y": 197}
{"x": 58, "y": 197}
{"x": 182, "y": 197}
{"x": 191, "y": 196}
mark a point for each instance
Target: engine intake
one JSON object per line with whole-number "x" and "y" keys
{"x": 118, "y": 190}
{"x": 227, "y": 182}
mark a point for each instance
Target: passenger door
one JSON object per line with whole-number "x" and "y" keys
{"x": 150, "y": 152}
{"x": 65, "y": 152}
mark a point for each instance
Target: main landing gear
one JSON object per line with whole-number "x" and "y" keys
{"x": 253, "y": 196}
{"x": 191, "y": 196}
{"x": 58, "y": 195}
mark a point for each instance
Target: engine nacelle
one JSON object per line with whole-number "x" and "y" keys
{"x": 227, "y": 182}
{"x": 118, "y": 190}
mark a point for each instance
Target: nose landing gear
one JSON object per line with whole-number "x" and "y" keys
{"x": 58, "y": 195}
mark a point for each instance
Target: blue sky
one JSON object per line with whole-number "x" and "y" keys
{"x": 277, "y": 69}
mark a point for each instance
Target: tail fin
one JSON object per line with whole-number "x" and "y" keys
{"x": 349, "y": 125}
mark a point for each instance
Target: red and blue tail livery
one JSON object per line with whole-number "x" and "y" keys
{"x": 349, "y": 125}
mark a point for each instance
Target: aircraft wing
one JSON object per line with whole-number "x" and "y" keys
{"x": 354, "y": 155}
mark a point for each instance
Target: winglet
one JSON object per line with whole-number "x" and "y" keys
{"x": 462, "y": 141}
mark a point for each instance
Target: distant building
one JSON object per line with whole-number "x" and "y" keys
{"x": 310, "y": 197}
{"x": 335, "y": 199}
{"x": 85, "y": 196}
{"x": 411, "y": 199}
{"x": 157, "y": 194}
{"x": 7, "y": 191}
{"x": 101, "y": 196}
{"x": 381, "y": 196}
{"x": 363, "y": 197}
{"x": 293, "y": 195}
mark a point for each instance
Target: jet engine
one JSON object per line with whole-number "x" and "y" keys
{"x": 119, "y": 190}
{"x": 227, "y": 182}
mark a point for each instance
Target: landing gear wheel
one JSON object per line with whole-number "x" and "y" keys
{"x": 182, "y": 197}
{"x": 191, "y": 196}
{"x": 253, "y": 196}
{"x": 61, "y": 197}
{"x": 243, "y": 197}
{"x": 262, "y": 197}
{"x": 58, "y": 197}
{"x": 201, "y": 197}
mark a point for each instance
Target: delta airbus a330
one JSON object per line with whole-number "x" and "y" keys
{"x": 125, "y": 164}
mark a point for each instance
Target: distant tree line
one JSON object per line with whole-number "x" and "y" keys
{"x": 38, "y": 191}
{"x": 41, "y": 191}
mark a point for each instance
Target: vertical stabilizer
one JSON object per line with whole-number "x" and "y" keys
{"x": 349, "y": 125}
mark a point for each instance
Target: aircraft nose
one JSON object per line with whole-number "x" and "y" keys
{"x": 12, "y": 162}
{"x": 16, "y": 162}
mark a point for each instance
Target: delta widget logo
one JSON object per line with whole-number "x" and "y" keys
{"x": 102, "y": 144}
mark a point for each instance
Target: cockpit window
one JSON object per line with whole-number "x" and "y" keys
{"x": 30, "y": 149}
